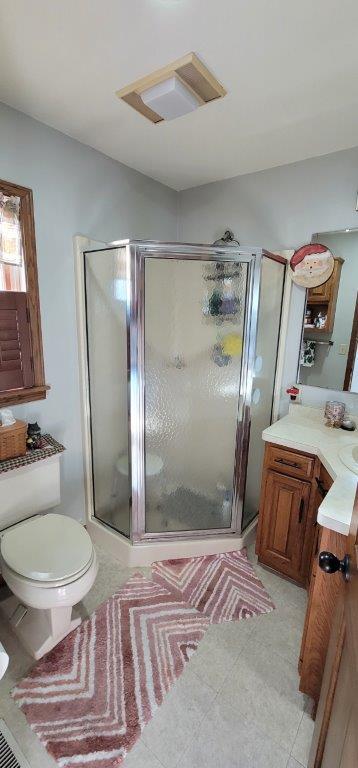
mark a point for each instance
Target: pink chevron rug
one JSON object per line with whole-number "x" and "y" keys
{"x": 89, "y": 699}
{"x": 223, "y": 587}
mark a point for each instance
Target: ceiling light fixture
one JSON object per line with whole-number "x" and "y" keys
{"x": 174, "y": 90}
{"x": 170, "y": 99}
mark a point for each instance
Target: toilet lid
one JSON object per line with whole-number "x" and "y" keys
{"x": 48, "y": 548}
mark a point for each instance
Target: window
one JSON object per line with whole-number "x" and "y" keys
{"x": 22, "y": 377}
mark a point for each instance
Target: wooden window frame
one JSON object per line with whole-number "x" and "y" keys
{"x": 39, "y": 389}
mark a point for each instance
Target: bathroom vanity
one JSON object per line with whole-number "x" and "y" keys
{"x": 307, "y": 498}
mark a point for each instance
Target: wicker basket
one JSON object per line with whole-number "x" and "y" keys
{"x": 13, "y": 440}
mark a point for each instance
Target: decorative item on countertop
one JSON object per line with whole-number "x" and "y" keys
{"x": 348, "y": 423}
{"x": 293, "y": 392}
{"x": 334, "y": 413}
{"x": 308, "y": 352}
{"x": 34, "y": 437}
{"x": 311, "y": 265}
{"x": 12, "y": 440}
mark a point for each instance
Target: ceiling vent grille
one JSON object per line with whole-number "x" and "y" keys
{"x": 10, "y": 753}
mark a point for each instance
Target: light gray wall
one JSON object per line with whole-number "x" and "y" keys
{"x": 76, "y": 190}
{"x": 79, "y": 190}
{"x": 279, "y": 208}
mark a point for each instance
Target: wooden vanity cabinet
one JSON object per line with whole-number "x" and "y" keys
{"x": 287, "y": 512}
{"x": 289, "y": 541}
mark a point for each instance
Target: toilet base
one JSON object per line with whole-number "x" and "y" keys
{"x": 39, "y": 630}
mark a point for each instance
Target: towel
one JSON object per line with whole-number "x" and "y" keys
{"x": 308, "y": 352}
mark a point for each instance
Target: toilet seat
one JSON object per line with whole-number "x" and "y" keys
{"x": 48, "y": 584}
{"x": 51, "y": 550}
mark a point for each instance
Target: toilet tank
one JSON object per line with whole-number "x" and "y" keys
{"x": 27, "y": 490}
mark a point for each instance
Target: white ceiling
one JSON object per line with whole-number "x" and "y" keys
{"x": 290, "y": 68}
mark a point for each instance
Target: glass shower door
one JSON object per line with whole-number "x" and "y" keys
{"x": 106, "y": 288}
{"x": 268, "y": 330}
{"x": 194, "y": 327}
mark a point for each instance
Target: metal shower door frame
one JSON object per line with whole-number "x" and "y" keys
{"x": 137, "y": 252}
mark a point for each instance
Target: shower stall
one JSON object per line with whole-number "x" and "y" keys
{"x": 180, "y": 356}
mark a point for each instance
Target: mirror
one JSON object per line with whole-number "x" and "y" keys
{"x": 328, "y": 355}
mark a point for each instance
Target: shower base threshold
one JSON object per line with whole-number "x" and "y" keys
{"x": 147, "y": 552}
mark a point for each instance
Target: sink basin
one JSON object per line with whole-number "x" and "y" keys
{"x": 349, "y": 456}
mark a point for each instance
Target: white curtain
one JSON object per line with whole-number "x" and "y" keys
{"x": 10, "y": 230}
{"x": 12, "y": 272}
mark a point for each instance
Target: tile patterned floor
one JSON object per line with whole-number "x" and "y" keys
{"x": 236, "y": 705}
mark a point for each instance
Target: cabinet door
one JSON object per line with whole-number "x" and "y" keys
{"x": 284, "y": 512}
{"x": 322, "y": 601}
{"x": 321, "y": 292}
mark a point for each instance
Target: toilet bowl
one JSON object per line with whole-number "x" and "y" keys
{"x": 49, "y": 564}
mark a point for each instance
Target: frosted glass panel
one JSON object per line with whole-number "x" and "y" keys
{"x": 194, "y": 322}
{"x": 271, "y": 289}
{"x": 105, "y": 280}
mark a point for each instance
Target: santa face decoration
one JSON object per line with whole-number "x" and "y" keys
{"x": 311, "y": 265}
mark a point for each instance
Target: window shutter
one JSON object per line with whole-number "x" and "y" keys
{"x": 16, "y": 368}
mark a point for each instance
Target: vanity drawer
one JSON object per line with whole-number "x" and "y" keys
{"x": 289, "y": 462}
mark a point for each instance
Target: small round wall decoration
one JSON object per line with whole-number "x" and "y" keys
{"x": 311, "y": 265}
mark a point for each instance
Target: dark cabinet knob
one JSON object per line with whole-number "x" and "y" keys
{"x": 329, "y": 563}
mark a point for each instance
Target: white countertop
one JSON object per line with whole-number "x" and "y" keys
{"x": 304, "y": 430}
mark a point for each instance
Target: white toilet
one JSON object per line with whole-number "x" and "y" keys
{"x": 49, "y": 564}
{"x": 47, "y": 560}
